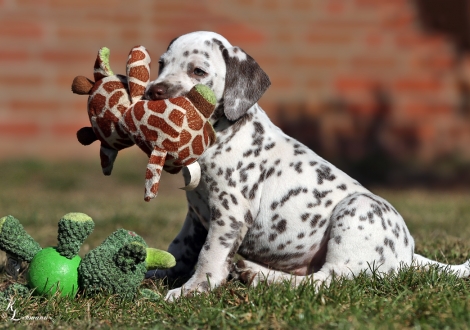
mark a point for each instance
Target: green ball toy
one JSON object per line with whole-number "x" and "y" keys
{"x": 117, "y": 266}
{"x": 49, "y": 271}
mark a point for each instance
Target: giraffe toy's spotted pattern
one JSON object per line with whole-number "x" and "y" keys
{"x": 173, "y": 132}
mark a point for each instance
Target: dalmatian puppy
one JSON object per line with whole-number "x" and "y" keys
{"x": 288, "y": 212}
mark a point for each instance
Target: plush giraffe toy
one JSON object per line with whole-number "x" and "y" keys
{"x": 173, "y": 132}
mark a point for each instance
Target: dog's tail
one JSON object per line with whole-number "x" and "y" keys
{"x": 462, "y": 270}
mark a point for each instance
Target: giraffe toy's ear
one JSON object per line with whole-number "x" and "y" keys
{"x": 138, "y": 72}
{"x": 82, "y": 85}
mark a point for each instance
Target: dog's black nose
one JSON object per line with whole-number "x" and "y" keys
{"x": 156, "y": 92}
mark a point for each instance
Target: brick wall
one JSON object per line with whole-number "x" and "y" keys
{"x": 357, "y": 70}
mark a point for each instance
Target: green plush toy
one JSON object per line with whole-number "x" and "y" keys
{"x": 117, "y": 266}
{"x": 125, "y": 257}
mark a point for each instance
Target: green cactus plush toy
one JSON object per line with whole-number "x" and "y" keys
{"x": 117, "y": 266}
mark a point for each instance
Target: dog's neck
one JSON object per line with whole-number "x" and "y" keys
{"x": 221, "y": 123}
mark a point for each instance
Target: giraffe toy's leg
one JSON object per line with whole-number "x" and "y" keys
{"x": 154, "y": 172}
{"x": 138, "y": 72}
{"x": 107, "y": 156}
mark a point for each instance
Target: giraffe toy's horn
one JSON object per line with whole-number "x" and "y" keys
{"x": 102, "y": 68}
{"x": 138, "y": 72}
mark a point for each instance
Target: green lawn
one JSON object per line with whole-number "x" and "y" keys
{"x": 39, "y": 193}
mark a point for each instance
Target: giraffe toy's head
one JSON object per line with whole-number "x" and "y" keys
{"x": 172, "y": 132}
{"x": 109, "y": 99}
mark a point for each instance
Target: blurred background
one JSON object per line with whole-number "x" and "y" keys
{"x": 380, "y": 88}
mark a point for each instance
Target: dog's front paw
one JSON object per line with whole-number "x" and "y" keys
{"x": 187, "y": 290}
{"x": 174, "y": 294}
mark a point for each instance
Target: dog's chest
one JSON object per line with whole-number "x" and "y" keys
{"x": 288, "y": 189}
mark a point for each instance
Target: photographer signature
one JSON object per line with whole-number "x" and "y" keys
{"x": 10, "y": 309}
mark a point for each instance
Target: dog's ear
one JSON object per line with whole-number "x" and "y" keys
{"x": 245, "y": 82}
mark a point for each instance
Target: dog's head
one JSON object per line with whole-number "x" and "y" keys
{"x": 208, "y": 58}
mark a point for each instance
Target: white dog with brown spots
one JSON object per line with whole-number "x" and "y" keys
{"x": 266, "y": 196}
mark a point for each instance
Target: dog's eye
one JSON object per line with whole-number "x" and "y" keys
{"x": 199, "y": 72}
{"x": 160, "y": 65}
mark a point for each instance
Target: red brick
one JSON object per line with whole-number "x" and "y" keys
{"x": 314, "y": 62}
{"x": 363, "y": 109}
{"x": 64, "y": 81}
{"x": 112, "y": 17}
{"x": 21, "y": 30}
{"x": 34, "y": 106}
{"x": 67, "y": 56}
{"x": 164, "y": 7}
{"x": 335, "y": 7}
{"x": 128, "y": 35}
{"x": 270, "y": 5}
{"x": 417, "y": 84}
{"x": 66, "y": 129}
{"x": 19, "y": 129}
{"x": 165, "y": 35}
{"x": 353, "y": 83}
{"x": 14, "y": 55}
{"x": 80, "y": 32}
{"x": 373, "y": 39}
{"x": 314, "y": 84}
{"x": 399, "y": 19}
{"x": 79, "y": 105}
{"x": 320, "y": 38}
{"x": 284, "y": 37}
{"x": 239, "y": 34}
{"x": 269, "y": 107}
{"x": 246, "y": 2}
{"x": 189, "y": 14}
{"x": 31, "y": 3}
{"x": 20, "y": 80}
{"x": 426, "y": 110}
{"x": 413, "y": 39}
{"x": 303, "y": 5}
{"x": 342, "y": 24}
{"x": 88, "y": 4}
{"x": 172, "y": 20}
{"x": 426, "y": 132}
{"x": 281, "y": 82}
{"x": 434, "y": 62}
{"x": 176, "y": 27}
{"x": 444, "y": 109}
{"x": 367, "y": 3}
{"x": 268, "y": 60}
{"x": 376, "y": 62}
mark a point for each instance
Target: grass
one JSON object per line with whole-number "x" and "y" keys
{"x": 39, "y": 193}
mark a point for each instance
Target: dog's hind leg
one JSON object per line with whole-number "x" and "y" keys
{"x": 252, "y": 274}
{"x": 462, "y": 270}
